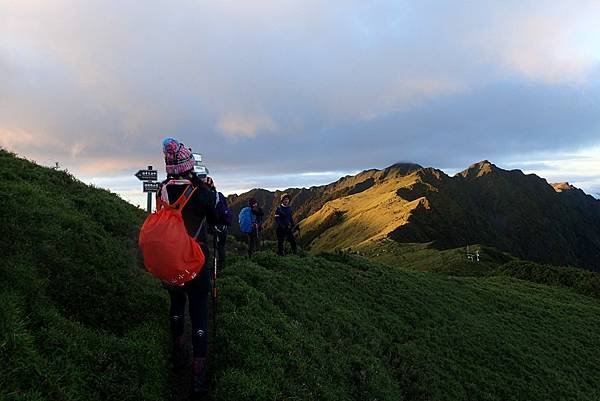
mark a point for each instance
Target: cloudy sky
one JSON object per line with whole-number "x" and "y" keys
{"x": 295, "y": 93}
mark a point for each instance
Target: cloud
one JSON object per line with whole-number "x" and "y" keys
{"x": 39, "y": 144}
{"x": 233, "y": 125}
{"x": 581, "y": 168}
{"x": 296, "y": 86}
{"x": 550, "y": 44}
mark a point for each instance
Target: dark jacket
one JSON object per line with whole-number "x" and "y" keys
{"x": 283, "y": 217}
{"x": 257, "y": 216}
{"x": 201, "y": 206}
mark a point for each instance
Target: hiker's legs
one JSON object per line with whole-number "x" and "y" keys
{"x": 257, "y": 239}
{"x": 199, "y": 317}
{"x": 280, "y": 239}
{"x": 290, "y": 237}
{"x": 250, "y": 244}
{"x": 177, "y": 321}
{"x": 253, "y": 244}
{"x": 177, "y": 311}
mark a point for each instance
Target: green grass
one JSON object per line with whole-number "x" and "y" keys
{"x": 79, "y": 319}
{"x": 582, "y": 281}
{"x": 424, "y": 257}
{"x": 338, "y": 327}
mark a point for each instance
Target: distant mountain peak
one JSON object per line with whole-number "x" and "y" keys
{"x": 479, "y": 169}
{"x": 405, "y": 167}
{"x": 563, "y": 186}
{"x": 398, "y": 170}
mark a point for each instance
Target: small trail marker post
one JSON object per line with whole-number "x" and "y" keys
{"x": 149, "y": 177}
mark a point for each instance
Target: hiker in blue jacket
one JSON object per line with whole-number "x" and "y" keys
{"x": 285, "y": 224}
{"x": 257, "y": 221}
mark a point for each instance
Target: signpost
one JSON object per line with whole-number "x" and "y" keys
{"x": 150, "y": 186}
{"x": 149, "y": 177}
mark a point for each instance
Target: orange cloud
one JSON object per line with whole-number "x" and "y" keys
{"x": 100, "y": 166}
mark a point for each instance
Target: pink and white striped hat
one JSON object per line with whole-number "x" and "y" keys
{"x": 178, "y": 158}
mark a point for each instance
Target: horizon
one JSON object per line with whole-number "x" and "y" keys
{"x": 138, "y": 198}
{"x": 278, "y": 95}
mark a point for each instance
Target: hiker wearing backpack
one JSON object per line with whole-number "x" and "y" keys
{"x": 224, "y": 220}
{"x": 251, "y": 220}
{"x": 285, "y": 224}
{"x": 198, "y": 213}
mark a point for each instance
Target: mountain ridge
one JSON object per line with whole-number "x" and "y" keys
{"x": 515, "y": 212}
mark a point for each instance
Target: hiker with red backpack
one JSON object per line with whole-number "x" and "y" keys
{"x": 175, "y": 248}
{"x": 224, "y": 220}
{"x": 285, "y": 225}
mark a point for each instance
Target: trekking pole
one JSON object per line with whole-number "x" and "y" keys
{"x": 214, "y": 288}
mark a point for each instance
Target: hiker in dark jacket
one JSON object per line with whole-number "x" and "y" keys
{"x": 220, "y": 230}
{"x": 257, "y": 221}
{"x": 198, "y": 214}
{"x": 285, "y": 224}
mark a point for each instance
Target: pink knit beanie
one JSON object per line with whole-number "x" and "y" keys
{"x": 178, "y": 158}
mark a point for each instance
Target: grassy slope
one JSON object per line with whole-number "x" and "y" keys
{"x": 424, "y": 257}
{"x": 364, "y": 216}
{"x": 79, "y": 320}
{"x": 338, "y": 327}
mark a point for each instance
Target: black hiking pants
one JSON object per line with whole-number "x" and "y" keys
{"x": 284, "y": 233}
{"x": 253, "y": 241}
{"x": 197, "y": 293}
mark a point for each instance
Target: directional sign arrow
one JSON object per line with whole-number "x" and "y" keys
{"x": 147, "y": 175}
{"x": 150, "y": 186}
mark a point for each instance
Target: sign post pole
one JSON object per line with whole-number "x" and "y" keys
{"x": 149, "y": 197}
{"x": 150, "y": 186}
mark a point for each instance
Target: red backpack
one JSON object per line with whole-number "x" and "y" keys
{"x": 170, "y": 253}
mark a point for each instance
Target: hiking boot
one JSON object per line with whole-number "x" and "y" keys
{"x": 199, "y": 387}
{"x": 180, "y": 355}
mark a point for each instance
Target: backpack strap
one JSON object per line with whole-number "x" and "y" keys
{"x": 200, "y": 228}
{"x": 184, "y": 198}
{"x": 162, "y": 197}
